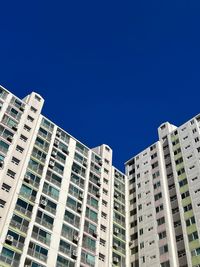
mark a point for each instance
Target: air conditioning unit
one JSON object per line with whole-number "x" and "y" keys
{"x": 94, "y": 234}
{"x": 115, "y": 245}
{"x": 51, "y": 163}
{"x": 54, "y": 153}
{"x": 75, "y": 238}
{"x": 9, "y": 238}
{"x": 79, "y": 209}
{"x": 116, "y": 206}
{"x": 116, "y": 230}
{"x": 14, "y": 128}
{"x": 81, "y": 195}
{"x": 1, "y": 163}
{"x": 84, "y": 164}
{"x": 56, "y": 143}
{"x": 43, "y": 202}
{"x": 58, "y": 134}
{"x": 9, "y": 138}
{"x": 115, "y": 260}
{"x": 27, "y": 178}
{"x": 65, "y": 151}
{"x": 116, "y": 194}
{"x": 97, "y": 194}
{"x": 116, "y": 184}
{"x": 74, "y": 253}
{"x": 100, "y": 162}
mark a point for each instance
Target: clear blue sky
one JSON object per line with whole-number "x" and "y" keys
{"x": 110, "y": 71}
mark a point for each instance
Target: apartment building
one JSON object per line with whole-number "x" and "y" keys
{"x": 164, "y": 199}
{"x": 62, "y": 204}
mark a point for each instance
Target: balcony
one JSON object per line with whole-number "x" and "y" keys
{"x": 53, "y": 181}
{"x": 67, "y": 235}
{"x": 11, "y": 262}
{"x": 16, "y": 244}
{"x": 19, "y": 226}
{"x": 36, "y": 254}
{"x": 44, "y": 223}
{"x": 65, "y": 250}
{"x": 28, "y": 196}
{"x": 49, "y": 193}
{"x": 40, "y": 238}
{"x": 75, "y": 222}
{"x": 38, "y": 157}
{"x": 23, "y": 211}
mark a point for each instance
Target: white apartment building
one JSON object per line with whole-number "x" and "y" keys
{"x": 61, "y": 203}
{"x": 164, "y": 199}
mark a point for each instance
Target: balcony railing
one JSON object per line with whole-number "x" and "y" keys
{"x": 23, "y": 211}
{"x": 17, "y": 244}
{"x": 19, "y": 226}
{"x": 36, "y": 254}
{"x": 44, "y": 223}
{"x": 28, "y": 196}
{"x": 53, "y": 181}
{"x": 9, "y": 261}
{"x": 41, "y": 238}
{"x": 49, "y": 193}
{"x": 75, "y": 222}
{"x": 65, "y": 250}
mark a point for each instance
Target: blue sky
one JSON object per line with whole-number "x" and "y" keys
{"x": 110, "y": 71}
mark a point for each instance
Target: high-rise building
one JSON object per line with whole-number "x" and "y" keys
{"x": 63, "y": 204}
{"x": 164, "y": 199}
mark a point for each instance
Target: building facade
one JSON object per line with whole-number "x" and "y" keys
{"x": 164, "y": 199}
{"x": 61, "y": 203}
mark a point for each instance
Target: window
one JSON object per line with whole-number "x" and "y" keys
{"x": 159, "y": 208}
{"x": 5, "y": 187}
{"x": 2, "y": 203}
{"x": 184, "y": 195}
{"x": 37, "y": 98}
{"x": 162, "y": 235}
{"x": 105, "y": 192}
{"x": 15, "y": 161}
{"x": 33, "y": 109}
{"x": 23, "y": 138}
{"x": 102, "y": 242}
{"x": 105, "y": 180}
{"x": 187, "y": 208}
{"x": 101, "y": 257}
{"x": 158, "y": 196}
{"x": 141, "y": 231}
{"x": 163, "y": 249}
{"x": 3, "y": 146}
{"x": 193, "y": 236}
{"x": 103, "y": 228}
{"x": 165, "y": 264}
{"x": 106, "y": 171}
{"x": 29, "y": 118}
{"x": 27, "y": 128}
{"x": 161, "y": 221}
{"x": 19, "y": 149}
{"x": 104, "y": 203}
{"x": 11, "y": 173}
{"x": 103, "y": 215}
